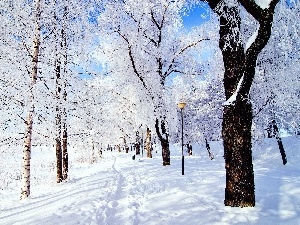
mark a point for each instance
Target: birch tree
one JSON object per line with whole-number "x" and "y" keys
{"x": 25, "y": 190}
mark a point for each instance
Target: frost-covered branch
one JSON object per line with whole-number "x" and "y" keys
{"x": 265, "y": 19}
{"x": 169, "y": 70}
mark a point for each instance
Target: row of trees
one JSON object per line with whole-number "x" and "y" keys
{"x": 147, "y": 35}
{"x": 145, "y": 62}
{"x": 40, "y": 43}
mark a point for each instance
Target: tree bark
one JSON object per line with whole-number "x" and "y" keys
{"x": 238, "y": 77}
{"x": 65, "y": 148}
{"x": 137, "y": 148}
{"x": 65, "y": 156}
{"x": 25, "y": 189}
{"x": 236, "y": 131}
{"x": 148, "y": 143}
{"x": 164, "y": 140}
{"x": 59, "y": 176}
{"x": 279, "y": 141}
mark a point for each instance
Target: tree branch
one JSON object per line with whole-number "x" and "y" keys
{"x": 263, "y": 106}
{"x": 265, "y": 19}
{"x": 169, "y": 70}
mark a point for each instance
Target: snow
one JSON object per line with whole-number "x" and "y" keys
{"x": 232, "y": 98}
{"x": 251, "y": 39}
{"x": 263, "y": 3}
{"x": 119, "y": 190}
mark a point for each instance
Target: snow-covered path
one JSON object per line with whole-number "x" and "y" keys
{"x": 122, "y": 191}
{"x": 119, "y": 190}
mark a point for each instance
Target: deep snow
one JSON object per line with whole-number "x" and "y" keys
{"x": 118, "y": 190}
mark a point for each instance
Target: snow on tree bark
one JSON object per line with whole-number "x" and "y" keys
{"x": 25, "y": 189}
{"x": 164, "y": 140}
{"x": 237, "y": 116}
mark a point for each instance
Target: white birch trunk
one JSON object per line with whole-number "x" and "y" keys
{"x": 65, "y": 159}
{"x": 25, "y": 189}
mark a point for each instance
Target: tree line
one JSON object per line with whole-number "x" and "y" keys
{"x": 231, "y": 70}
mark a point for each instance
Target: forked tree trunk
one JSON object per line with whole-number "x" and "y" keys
{"x": 164, "y": 140}
{"x": 237, "y": 117}
{"x": 25, "y": 189}
{"x": 239, "y": 64}
{"x": 148, "y": 143}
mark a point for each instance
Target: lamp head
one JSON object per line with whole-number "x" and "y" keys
{"x": 181, "y": 105}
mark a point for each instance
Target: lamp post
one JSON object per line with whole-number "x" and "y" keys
{"x": 181, "y": 106}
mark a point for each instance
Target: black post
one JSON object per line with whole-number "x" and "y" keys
{"x": 182, "y": 142}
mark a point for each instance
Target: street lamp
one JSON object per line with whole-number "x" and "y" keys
{"x": 181, "y": 106}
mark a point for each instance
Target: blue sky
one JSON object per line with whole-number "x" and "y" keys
{"x": 197, "y": 16}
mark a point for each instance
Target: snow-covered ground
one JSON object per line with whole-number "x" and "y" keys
{"x": 120, "y": 191}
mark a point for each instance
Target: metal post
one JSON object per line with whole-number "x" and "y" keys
{"x": 182, "y": 142}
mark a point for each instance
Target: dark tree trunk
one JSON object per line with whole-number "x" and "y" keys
{"x": 65, "y": 155}
{"x": 65, "y": 152}
{"x": 280, "y": 145}
{"x": 236, "y": 133}
{"x": 137, "y": 148}
{"x": 164, "y": 140}
{"x": 211, "y": 156}
{"x": 237, "y": 117}
{"x": 239, "y": 73}
{"x": 58, "y": 148}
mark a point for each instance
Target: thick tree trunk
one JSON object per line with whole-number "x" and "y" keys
{"x": 148, "y": 143}
{"x": 25, "y": 189}
{"x": 237, "y": 116}
{"x": 239, "y": 64}
{"x": 164, "y": 140}
{"x": 237, "y": 121}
